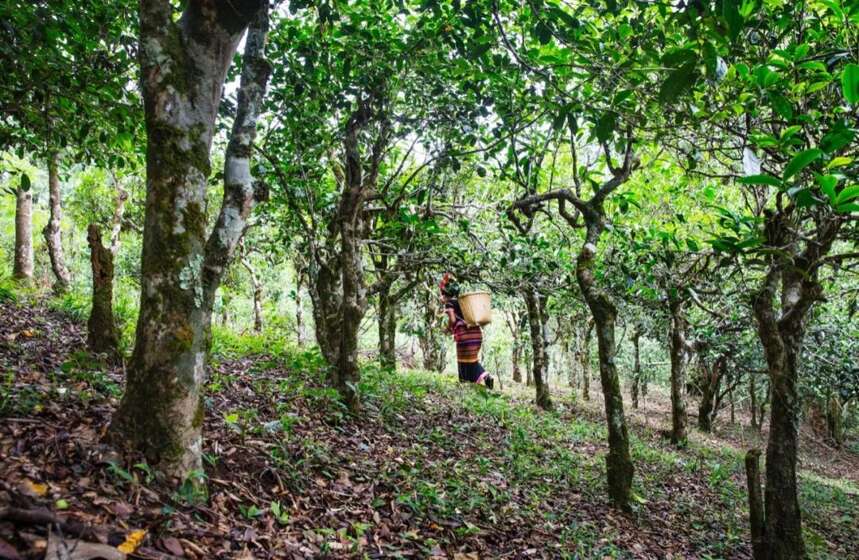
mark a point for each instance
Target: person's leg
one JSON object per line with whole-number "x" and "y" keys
{"x": 482, "y": 376}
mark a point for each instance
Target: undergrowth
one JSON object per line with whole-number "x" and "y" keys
{"x": 473, "y": 454}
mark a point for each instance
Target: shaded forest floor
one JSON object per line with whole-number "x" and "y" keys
{"x": 430, "y": 470}
{"x": 817, "y": 457}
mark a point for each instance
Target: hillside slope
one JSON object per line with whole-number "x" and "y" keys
{"x": 430, "y": 469}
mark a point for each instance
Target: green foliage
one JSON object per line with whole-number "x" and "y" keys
{"x": 18, "y": 399}
{"x": 74, "y": 304}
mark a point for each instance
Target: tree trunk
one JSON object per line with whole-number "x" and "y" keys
{"x": 753, "y": 402}
{"x": 585, "y": 355}
{"x": 711, "y": 382}
{"x": 618, "y": 461}
{"x": 299, "y": 312}
{"x": 781, "y": 337}
{"x": 23, "y": 265}
{"x": 678, "y": 372}
{"x": 516, "y": 358}
{"x": 835, "y": 420}
{"x": 116, "y": 222}
{"x": 756, "y": 505}
{"x": 325, "y": 296}
{"x": 225, "y": 314}
{"x": 256, "y": 286}
{"x": 529, "y": 365}
{"x": 102, "y": 336}
{"x": 53, "y": 229}
{"x": 636, "y": 366}
{"x": 183, "y": 67}
{"x": 346, "y": 374}
{"x": 536, "y": 322}
{"x": 514, "y": 323}
{"x": 570, "y": 364}
{"x": 432, "y": 346}
{"x": 387, "y": 323}
{"x": 782, "y": 503}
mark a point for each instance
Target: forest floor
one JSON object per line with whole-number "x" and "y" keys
{"x": 430, "y": 469}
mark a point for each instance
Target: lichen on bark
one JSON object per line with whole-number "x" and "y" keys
{"x": 184, "y": 65}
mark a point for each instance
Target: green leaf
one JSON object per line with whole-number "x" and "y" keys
{"x": 800, "y": 161}
{"x": 723, "y": 246}
{"x": 678, "y": 57}
{"x": 804, "y": 198}
{"x": 677, "y": 82}
{"x": 747, "y": 8}
{"x": 836, "y": 138}
{"x": 710, "y": 59}
{"x": 850, "y": 83}
{"x": 827, "y": 186}
{"x": 542, "y": 32}
{"x": 25, "y": 182}
{"x": 846, "y": 195}
{"x": 762, "y": 179}
{"x": 605, "y": 126}
{"x": 693, "y": 245}
{"x": 790, "y": 131}
{"x": 847, "y": 208}
{"x": 840, "y": 161}
{"x": 782, "y": 106}
{"x": 559, "y": 120}
{"x": 732, "y": 17}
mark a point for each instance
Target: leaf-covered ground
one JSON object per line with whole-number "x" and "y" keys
{"x": 430, "y": 470}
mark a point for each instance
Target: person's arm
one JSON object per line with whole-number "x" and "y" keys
{"x": 451, "y": 318}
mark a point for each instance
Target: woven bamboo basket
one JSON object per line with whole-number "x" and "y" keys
{"x": 476, "y": 308}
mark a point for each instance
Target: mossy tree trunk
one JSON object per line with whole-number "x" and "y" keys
{"x": 102, "y": 336}
{"x": 514, "y": 323}
{"x": 590, "y": 214}
{"x": 183, "y": 67}
{"x": 618, "y": 461}
{"x": 346, "y": 374}
{"x": 299, "y": 311}
{"x": 835, "y": 420}
{"x": 711, "y": 383}
{"x": 53, "y": 230}
{"x": 636, "y": 366}
{"x": 679, "y": 352}
{"x": 756, "y": 505}
{"x": 389, "y": 303}
{"x": 256, "y": 288}
{"x": 387, "y": 323}
{"x": 781, "y": 306}
{"x": 118, "y": 213}
{"x": 22, "y": 267}
{"x": 539, "y": 355}
{"x": 337, "y": 287}
{"x": 516, "y": 358}
{"x": 585, "y": 360}
{"x": 430, "y": 337}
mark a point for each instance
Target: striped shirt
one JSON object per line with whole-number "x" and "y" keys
{"x": 468, "y": 338}
{"x": 468, "y": 341}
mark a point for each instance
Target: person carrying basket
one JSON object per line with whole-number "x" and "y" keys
{"x": 469, "y": 338}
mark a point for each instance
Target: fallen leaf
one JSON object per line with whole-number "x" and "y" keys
{"x": 36, "y": 489}
{"x": 132, "y": 541}
{"x": 8, "y": 552}
{"x": 173, "y": 546}
{"x": 60, "y": 548}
